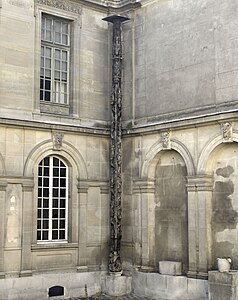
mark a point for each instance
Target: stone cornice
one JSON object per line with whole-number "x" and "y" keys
{"x": 108, "y": 6}
{"x": 33, "y": 124}
{"x": 26, "y": 182}
{"x": 181, "y": 122}
{"x": 200, "y": 183}
{"x": 84, "y": 185}
{"x": 144, "y": 186}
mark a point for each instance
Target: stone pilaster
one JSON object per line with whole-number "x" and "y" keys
{"x": 3, "y": 185}
{"x": 199, "y": 224}
{"x": 83, "y": 187}
{"x": 145, "y": 223}
{"x": 27, "y": 227}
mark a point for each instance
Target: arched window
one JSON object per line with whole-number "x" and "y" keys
{"x": 52, "y": 207}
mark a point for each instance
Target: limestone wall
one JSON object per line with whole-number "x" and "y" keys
{"x": 87, "y": 157}
{"x": 195, "y": 211}
{"x": 20, "y": 63}
{"x": 184, "y": 59}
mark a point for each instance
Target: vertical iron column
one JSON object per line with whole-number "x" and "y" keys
{"x": 115, "y": 149}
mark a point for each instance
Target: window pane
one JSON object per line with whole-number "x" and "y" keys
{"x": 46, "y": 171}
{"x": 55, "y": 203}
{"x": 62, "y": 172}
{"x": 55, "y": 162}
{"x": 49, "y": 24}
{"x": 64, "y": 39}
{"x": 47, "y": 96}
{"x": 38, "y": 235}
{"x": 39, "y": 213}
{"x": 55, "y": 234}
{"x": 46, "y": 161}
{"x": 46, "y": 203}
{"x": 62, "y": 203}
{"x": 44, "y": 235}
{"x": 39, "y": 181}
{"x": 57, "y": 26}
{"x": 46, "y": 192}
{"x": 58, "y": 38}
{"x": 57, "y": 54}
{"x": 56, "y": 172}
{"x": 46, "y": 181}
{"x": 62, "y": 182}
{"x": 64, "y": 28}
{"x": 55, "y": 224}
{"x": 45, "y": 213}
{"x": 55, "y": 213}
{"x": 45, "y": 224}
{"x": 55, "y": 192}
{"x": 62, "y": 213}
{"x": 62, "y": 234}
{"x": 64, "y": 55}
{"x": 55, "y": 182}
{"x": 62, "y": 193}
{"x": 62, "y": 224}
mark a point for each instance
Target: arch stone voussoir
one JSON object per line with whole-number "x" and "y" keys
{"x": 209, "y": 148}
{"x": 150, "y": 161}
{"x": 67, "y": 151}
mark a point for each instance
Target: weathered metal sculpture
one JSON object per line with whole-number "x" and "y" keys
{"x": 115, "y": 150}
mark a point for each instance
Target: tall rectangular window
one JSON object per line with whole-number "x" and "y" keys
{"x": 52, "y": 204}
{"x": 55, "y": 51}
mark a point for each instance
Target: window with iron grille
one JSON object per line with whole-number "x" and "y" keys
{"x": 52, "y": 208}
{"x": 55, "y": 51}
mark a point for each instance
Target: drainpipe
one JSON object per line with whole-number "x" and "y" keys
{"x": 115, "y": 146}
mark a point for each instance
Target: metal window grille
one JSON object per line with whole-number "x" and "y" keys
{"x": 55, "y": 55}
{"x": 52, "y": 208}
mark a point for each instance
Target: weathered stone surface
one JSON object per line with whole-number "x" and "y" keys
{"x": 170, "y": 268}
{"x": 223, "y": 285}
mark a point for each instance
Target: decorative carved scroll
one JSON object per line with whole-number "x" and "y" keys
{"x": 64, "y": 5}
{"x": 115, "y": 150}
{"x": 226, "y": 129}
{"x": 165, "y": 139}
{"x": 57, "y": 140}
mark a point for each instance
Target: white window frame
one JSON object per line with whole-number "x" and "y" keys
{"x": 54, "y": 45}
{"x": 50, "y": 219}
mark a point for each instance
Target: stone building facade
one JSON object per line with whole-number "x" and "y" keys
{"x": 180, "y": 134}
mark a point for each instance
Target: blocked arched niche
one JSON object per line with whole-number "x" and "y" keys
{"x": 150, "y": 162}
{"x": 67, "y": 151}
{"x": 223, "y": 163}
{"x": 171, "y": 208}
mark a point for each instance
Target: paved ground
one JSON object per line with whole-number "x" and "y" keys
{"x": 105, "y": 297}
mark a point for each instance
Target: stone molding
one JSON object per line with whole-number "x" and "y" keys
{"x": 143, "y": 186}
{"x": 68, "y": 151}
{"x": 84, "y": 185}
{"x": 199, "y": 183}
{"x": 150, "y": 160}
{"x": 226, "y": 129}
{"x": 26, "y": 182}
{"x": 3, "y": 185}
{"x": 165, "y": 139}
{"x": 63, "y": 5}
{"x": 57, "y": 138}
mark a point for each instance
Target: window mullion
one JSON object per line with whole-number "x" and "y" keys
{"x": 50, "y": 197}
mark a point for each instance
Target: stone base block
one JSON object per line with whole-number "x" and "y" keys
{"x": 223, "y": 286}
{"x": 117, "y": 285}
{"x": 170, "y": 268}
